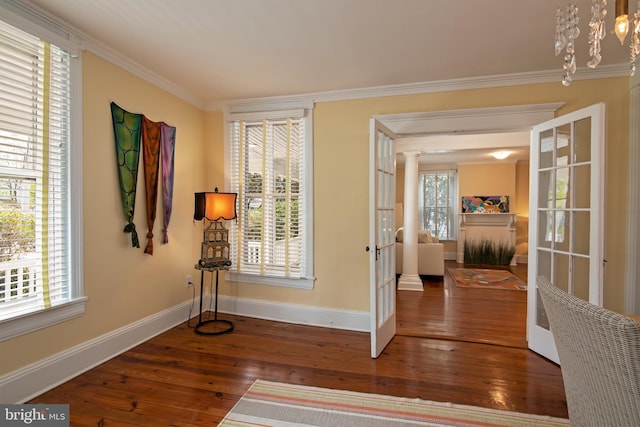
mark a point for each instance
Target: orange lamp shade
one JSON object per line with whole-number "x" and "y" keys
{"x": 215, "y": 206}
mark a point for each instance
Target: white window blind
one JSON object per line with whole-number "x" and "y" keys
{"x": 437, "y": 201}
{"x": 35, "y": 94}
{"x": 270, "y": 236}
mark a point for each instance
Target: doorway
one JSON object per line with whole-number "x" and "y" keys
{"x": 412, "y": 130}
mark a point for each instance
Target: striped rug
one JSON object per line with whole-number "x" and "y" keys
{"x": 276, "y": 404}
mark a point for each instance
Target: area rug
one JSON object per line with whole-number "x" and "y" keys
{"x": 486, "y": 279}
{"x": 276, "y": 404}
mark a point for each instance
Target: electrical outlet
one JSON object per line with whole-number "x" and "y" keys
{"x": 188, "y": 281}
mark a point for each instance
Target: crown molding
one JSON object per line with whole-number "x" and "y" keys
{"x": 31, "y": 11}
{"x": 28, "y": 16}
{"x": 501, "y": 80}
{"x": 127, "y": 64}
{"x": 469, "y": 121}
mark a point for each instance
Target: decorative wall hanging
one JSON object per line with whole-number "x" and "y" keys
{"x": 151, "y": 158}
{"x": 158, "y": 142}
{"x": 485, "y": 204}
{"x": 167, "y": 146}
{"x": 126, "y": 128}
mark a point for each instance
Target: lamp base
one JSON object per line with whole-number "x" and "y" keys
{"x": 216, "y": 327}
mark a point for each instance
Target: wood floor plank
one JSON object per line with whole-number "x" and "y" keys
{"x": 453, "y": 346}
{"x": 443, "y": 310}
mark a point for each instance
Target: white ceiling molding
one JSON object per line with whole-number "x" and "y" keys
{"x": 31, "y": 18}
{"x": 28, "y": 11}
{"x": 38, "y": 23}
{"x": 273, "y": 104}
{"x": 138, "y": 70}
{"x": 502, "y": 80}
{"x": 473, "y": 120}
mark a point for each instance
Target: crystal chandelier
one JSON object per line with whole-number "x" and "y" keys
{"x": 567, "y": 32}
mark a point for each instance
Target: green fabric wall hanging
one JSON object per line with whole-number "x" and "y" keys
{"x": 127, "y": 128}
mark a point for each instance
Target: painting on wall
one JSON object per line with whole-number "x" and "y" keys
{"x": 485, "y": 204}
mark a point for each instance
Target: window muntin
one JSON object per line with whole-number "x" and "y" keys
{"x": 437, "y": 204}
{"x": 268, "y": 171}
{"x": 558, "y": 185}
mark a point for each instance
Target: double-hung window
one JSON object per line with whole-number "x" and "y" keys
{"x": 40, "y": 223}
{"x": 270, "y": 169}
{"x": 437, "y": 196}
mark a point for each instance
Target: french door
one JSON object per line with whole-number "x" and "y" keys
{"x": 566, "y": 221}
{"x": 382, "y": 196}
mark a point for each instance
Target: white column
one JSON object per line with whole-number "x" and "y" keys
{"x": 410, "y": 280}
{"x": 462, "y": 237}
{"x": 512, "y": 236}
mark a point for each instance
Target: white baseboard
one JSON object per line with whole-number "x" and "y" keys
{"x": 298, "y": 314}
{"x": 30, "y": 381}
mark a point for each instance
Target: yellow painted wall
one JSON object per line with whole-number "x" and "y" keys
{"x": 341, "y": 170}
{"x": 124, "y": 285}
{"x": 493, "y": 179}
{"x": 488, "y": 179}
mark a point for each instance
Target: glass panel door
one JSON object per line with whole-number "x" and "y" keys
{"x": 566, "y": 222}
{"x": 382, "y": 237}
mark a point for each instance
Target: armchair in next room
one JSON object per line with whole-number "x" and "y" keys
{"x": 430, "y": 254}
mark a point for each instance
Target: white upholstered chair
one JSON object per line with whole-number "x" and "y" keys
{"x": 599, "y": 354}
{"x": 430, "y": 253}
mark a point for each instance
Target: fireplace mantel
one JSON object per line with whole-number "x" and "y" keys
{"x": 497, "y": 219}
{"x": 495, "y": 227}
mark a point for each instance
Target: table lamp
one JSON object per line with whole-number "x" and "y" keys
{"x": 213, "y": 208}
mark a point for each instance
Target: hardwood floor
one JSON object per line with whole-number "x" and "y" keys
{"x": 476, "y": 315}
{"x": 454, "y": 345}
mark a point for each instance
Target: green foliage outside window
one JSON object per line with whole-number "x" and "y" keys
{"x": 17, "y": 218}
{"x": 254, "y": 209}
{"x": 18, "y": 231}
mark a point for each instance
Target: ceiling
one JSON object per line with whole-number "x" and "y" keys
{"x": 447, "y": 151}
{"x": 222, "y": 50}
{"x": 237, "y": 49}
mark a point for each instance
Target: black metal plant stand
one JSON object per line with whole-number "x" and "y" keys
{"x": 221, "y": 326}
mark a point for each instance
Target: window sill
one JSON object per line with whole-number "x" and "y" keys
{"x": 11, "y": 328}
{"x": 302, "y": 283}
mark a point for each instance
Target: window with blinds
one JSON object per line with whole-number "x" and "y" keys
{"x": 35, "y": 116}
{"x": 437, "y": 201}
{"x": 269, "y": 239}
